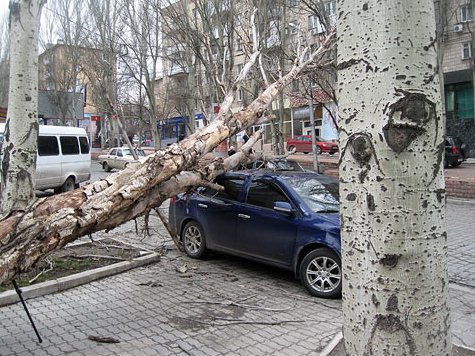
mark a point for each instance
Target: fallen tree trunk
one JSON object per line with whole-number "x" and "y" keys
{"x": 51, "y": 223}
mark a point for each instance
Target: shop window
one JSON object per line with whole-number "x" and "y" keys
{"x": 459, "y": 100}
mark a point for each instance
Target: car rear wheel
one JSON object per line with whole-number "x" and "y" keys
{"x": 320, "y": 272}
{"x": 67, "y": 186}
{"x": 193, "y": 240}
{"x": 456, "y": 164}
{"x": 106, "y": 167}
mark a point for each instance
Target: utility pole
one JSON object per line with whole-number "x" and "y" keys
{"x": 312, "y": 126}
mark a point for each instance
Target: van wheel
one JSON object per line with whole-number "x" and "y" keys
{"x": 106, "y": 167}
{"x": 68, "y": 185}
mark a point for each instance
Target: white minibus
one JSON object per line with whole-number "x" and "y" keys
{"x": 64, "y": 158}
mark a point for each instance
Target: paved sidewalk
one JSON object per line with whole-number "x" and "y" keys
{"x": 220, "y": 306}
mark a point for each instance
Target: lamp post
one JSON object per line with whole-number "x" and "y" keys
{"x": 312, "y": 126}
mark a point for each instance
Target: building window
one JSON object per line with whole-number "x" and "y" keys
{"x": 466, "y": 13}
{"x": 459, "y": 100}
{"x": 240, "y": 95}
{"x": 293, "y": 3}
{"x": 466, "y": 50}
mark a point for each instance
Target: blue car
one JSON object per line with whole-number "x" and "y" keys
{"x": 286, "y": 219}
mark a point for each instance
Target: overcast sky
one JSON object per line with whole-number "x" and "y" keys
{"x": 3, "y": 6}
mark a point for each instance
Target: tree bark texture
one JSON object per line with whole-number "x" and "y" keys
{"x": 21, "y": 133}
{"x": 50, "y": 223}
{"x": 394, "y": 241}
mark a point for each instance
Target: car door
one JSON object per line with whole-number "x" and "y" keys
{"x": 263, "y": 232}
{"x": 216, "y": 212}
{"x": 111, "y": 158}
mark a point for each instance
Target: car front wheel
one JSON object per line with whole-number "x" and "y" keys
{"x": 320, "y": 272}
{"x": 319, "y": 150}
{"x": 193, "y": 240}
{"x": 290, "y": 148}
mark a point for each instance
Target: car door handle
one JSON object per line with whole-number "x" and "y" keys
{"x": 202, "y": 205}
{"x": 244, "y": 216}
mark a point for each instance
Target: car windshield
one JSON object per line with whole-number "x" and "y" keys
{"x": 140, "y": 153}
{"x": 284, "y": 165}
{"x": 321, "y": 197}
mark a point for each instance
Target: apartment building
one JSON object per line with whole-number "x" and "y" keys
{"x": 67, "y": 86}
{"x": 191, "y": 81}
{"x": 457, "y": 26}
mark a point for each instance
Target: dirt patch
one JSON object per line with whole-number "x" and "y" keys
{"x": 74, "y": 259}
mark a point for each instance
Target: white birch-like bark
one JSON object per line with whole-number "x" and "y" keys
{"x": 19, "y": 146}
{"x": 394, "y": 241}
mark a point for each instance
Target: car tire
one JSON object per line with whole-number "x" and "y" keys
{"x": 320, "y": 272}
{"x": 67, "y": 186}
{"x": 193, "y": 240}
{"x": 456, "y": 164}
{"x": 319, "y": 150}
{"x": 106, "y": 167}
{"x": 290, "y": 148}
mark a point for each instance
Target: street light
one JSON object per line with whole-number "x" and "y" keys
{"x": 312, "y": 126}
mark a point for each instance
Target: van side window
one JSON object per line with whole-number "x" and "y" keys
{"x": 69, "y": 145}
{"x": 48, "y": 146}
{"x": 84, "y": 145}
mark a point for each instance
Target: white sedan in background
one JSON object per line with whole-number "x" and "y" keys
{"x": 119, "y": 158}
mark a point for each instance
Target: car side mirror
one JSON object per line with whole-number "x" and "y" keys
{"x": 283, "y": 207}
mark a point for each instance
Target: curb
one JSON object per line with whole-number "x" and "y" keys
{"x": 74, "y": 280}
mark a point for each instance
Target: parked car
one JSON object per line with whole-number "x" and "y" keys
{"x": 303, "y": 143}
{"x": 63, "y": 157}
{"x": 455, "y": 151}
{"x": 286, "y": 219}
{"x": 119, "y": 158}
{"x": 281, "y": 164}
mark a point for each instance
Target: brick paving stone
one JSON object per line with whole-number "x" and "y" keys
{"x": 166, "y": 321}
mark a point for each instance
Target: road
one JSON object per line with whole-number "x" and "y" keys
{"x": 220, "y": 306}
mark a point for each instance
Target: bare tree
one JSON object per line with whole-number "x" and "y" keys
{"x": 60, "y": 63}
{"x": 140, "y": 54}
{"x": 394, "y": 240}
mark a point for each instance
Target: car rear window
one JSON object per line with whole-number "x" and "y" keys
{"x": 232, "y": 188}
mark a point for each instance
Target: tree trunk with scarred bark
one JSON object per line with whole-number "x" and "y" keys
{"x": 21, "y": 132}
{"x": 394, "y": 241}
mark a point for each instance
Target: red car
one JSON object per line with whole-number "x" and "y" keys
{"x": 303, "y": 144}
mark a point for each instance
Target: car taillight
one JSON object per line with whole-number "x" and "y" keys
{"x": 454, "y": 149}
{"x": 172, "y": 200}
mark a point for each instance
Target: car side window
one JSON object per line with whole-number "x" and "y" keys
{"x": 119, "y": 153}
{"x": 113, "y": 152}
{"x": 264, "y": 194}
{"x": 232, "y": 189}
{"x": 48, "y": 146}
{"x": 69, "y": 145}
{"x": 84, "y": 145}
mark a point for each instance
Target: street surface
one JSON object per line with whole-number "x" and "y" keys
{"x": 221, "y": 306}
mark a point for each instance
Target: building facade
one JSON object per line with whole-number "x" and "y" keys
{"x": 457, "y": 26}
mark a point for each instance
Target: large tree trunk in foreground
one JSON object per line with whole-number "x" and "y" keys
{"x": 394, "y": 239}
{"x": 51, "y": 223}
{"x": 21, "y": 133}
